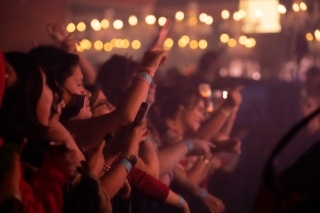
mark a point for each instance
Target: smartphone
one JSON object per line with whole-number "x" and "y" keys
{"x": 141, "y": 114}
{"x": 225, "y": 146}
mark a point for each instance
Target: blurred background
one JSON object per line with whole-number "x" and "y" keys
{"x": 266, "y": 45}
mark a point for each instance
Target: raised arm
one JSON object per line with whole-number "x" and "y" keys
{"x": 148, "y": 160}
{"x": 198, "y": 170}
{"x": 171, "y": 155}
{"x": 162, "y": 34}
{"x": 114, "y": 178}
{"x": 213, "y": 203}
{"x": 59, "y": 33}
{"x": 125, "y": 112}
{"x": 227, "y": 127}
{"x": 217, "y": 120}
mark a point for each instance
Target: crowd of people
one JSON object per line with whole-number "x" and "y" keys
{"x": 69, "y": 142}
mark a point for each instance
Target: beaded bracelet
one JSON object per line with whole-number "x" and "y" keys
{"x": 180, "y": 202}
{"x": 144, "y": 76}
{"x": 106, "y": 168}
{"x": 203, "y": 194}
{"x": 189, "y": 144}
{"x": 125, "y": 163}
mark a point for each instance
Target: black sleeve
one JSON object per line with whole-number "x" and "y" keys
{"x": 11, "y": 205}
{"x": 304, "y": 175}
{"x": 83, "y": 197}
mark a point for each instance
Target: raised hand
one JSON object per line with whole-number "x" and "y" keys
{"x": 57, "y": 32}
{"x": 163, "y": 33}
{"x": 128, "y": 138}
{"x": 95, "y": 161}
{"x": 69, "y": 45}
{"x": 214, "y": 204}
{"x": 230, "y": 145}
{"x": 153, "y": 58}
{"x": 234, "y": 98}
{"x": 202, "y": 147}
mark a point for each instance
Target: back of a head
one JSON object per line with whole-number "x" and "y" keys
{"x": 56, "y": 63}
{"x": 18, "y": 112}
{"x": 115, "y": 77}
{"x": 207, "y": 59}
{"x": 176, "y": 96}
{"x": 313, "y": 72}
{"x": 312, "y": 83}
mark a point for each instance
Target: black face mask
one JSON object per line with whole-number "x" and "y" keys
{"x": 72, "y": 109}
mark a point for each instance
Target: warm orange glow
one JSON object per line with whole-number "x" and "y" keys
{"x": 136, "y": 44}
{"x": 224, "y": 38}
{"x": 232, "y": 42}
{"x": 71, "y": 27}
{"x": 98, "y": 45}
{"x": 133, "y": 20}
{"x": 225, "y": 14}
{"x": 81, "y": 26}
{"x": 179, "y": 15}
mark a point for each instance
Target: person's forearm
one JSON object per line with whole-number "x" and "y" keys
{"x": 148, "y": 160}
{"x": 113, "y": 180}
{"x": 60, "y": 134}
{"x": 227, "y": 127}
{"x": 196, "y": 173}
{"x": 130, "y": 104}
{"x": 102, "y": 125}
{"x": 177, "y": 201}
{"x": 214, "y": 124}
{"x": 170, "y": 156}
{"x": 88, "y": 71}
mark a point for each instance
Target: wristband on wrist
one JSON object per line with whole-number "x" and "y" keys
{"x": 180, "y": 202}
{"x": 147, "y": 70}
{"x": 149, "y": 139}
{"x": 203, "y": 194}
{"x": 144, "y": 76}
{"x": 189, "y": 144}
{"x": 125, "y": 163}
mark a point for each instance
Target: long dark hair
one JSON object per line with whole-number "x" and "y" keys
{"x": 176, "y": 96}
{"x": 56, "y": 63}
{"x": 115, "y": 77}
{"x": 18, "y": 112}
{"x": 168, "y": 102}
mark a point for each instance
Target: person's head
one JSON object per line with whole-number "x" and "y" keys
{"x": 32, "y": 104}
{"x": 184, "y": 106}
{"x": 312, "y": 83}
{"x": 115, "y": 77}
{"x": 309, "y": 103}
{"x": 98, "y": 101}
{"x": 64, "y": 68}
{"x": 210, "y": 65}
